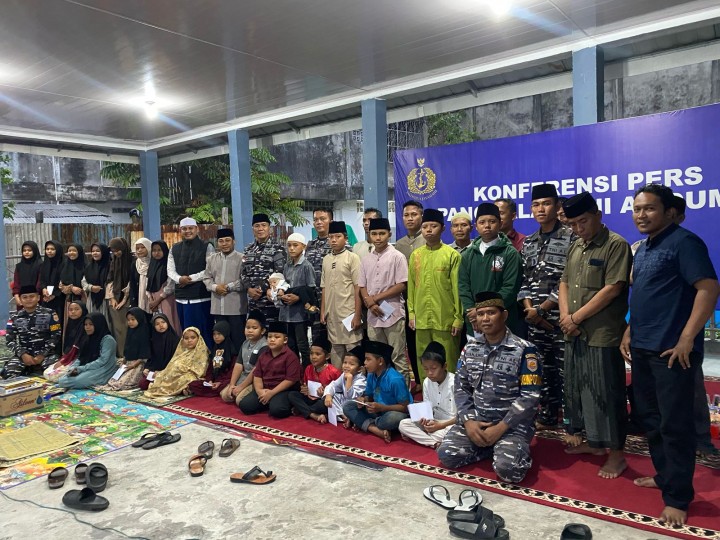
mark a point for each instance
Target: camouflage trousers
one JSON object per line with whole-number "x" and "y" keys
{"x": 16, "y": 367}
{"x": 510, "y": 455}
{"x": 552, "y": 348}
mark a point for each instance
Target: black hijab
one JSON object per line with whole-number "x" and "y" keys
{"x": 90, "y": 349}
{"x": 120, "y": 266}
{"x": 74, "y": 330}
{"x": 162, "y": 345}
{"x": 50, "y": 268}
{"x": 137, "y": 342}
{"x": 225, "y": 350}
{"x": 28, "y": 270}
{"x": 157, "y": 270}
{"x": 96, "y": 273}
{"x": 71, "y": 272}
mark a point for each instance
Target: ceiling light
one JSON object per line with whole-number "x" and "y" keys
{"x": 499, "y": 7}
{"x": 151, "y": 110}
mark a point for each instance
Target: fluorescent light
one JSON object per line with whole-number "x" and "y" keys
{"x": 151, "y": 110}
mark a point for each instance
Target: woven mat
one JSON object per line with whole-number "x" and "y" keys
{"x": 33, "y": 440}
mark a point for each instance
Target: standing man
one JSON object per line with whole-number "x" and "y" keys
{"x": 341, "y": 294}
{"x": 434, "y": 309}
{"x": 461, "y": 227}
{"x": 675, "y": 289}
{"x": 186, "y": 267}
{"x": 593, "y": 302}
{"x": 222, "y": 278}
{"x": 314, "y": 253}
{"x": 491, "y": 263}
{"x": 544, "y": 254}
{"x": 363, "y": 247}
{"x": 508, "y": 214}
{"x": 263, "y": 257}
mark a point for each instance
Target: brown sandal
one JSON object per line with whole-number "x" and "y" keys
{"x": 228, "y": 446}
{"x": 197, "y": 465}
{"x": 254, "y": 476}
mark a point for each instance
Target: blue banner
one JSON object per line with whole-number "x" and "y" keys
{"x": 610, "y": 160}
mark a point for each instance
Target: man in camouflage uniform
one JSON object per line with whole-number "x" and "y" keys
{"x": 497, "y": 388}
{"x": 33, "y": 335}
{"x": 263, "y": 257}
{"x": 543, "y": 255}
{"x": 315, "y": 252}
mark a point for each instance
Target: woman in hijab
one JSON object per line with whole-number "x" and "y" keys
{"x": 163, "y": 343}
{"x": 117, "y": 292}
{"x": 52, "y": 296}
{"x": 74, "y": 337}
{"x": 160, "y": 289}
{"x": 139, "y": 275}
{"x": 27, "y": 271}
{"x": 187, "y": 364}
{"x": 222, "y": 361}
{"x": 136, "y": 352}
{"x": 96, "y": 275}
{"x": 71, "y": 274}
{"x": 95, "y": 363}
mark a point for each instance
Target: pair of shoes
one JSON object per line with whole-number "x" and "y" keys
{"x": 85, "y": 499}
{"x": 154, "y": 440}
{"x": 254, "y": 476}
{"x": 468, "y": 500}
{"x": 227, "y": 448}
{"x": 96, "y": 477}
{"x": 468, "y": 518}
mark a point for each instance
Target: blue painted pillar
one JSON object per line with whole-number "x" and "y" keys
{"x": 240, "y": 191}
{"x": 374, "y": 154}
{"x": 588, "y": 80}
{"x": 4, "y": 287}
{"x": 150, "y": 187}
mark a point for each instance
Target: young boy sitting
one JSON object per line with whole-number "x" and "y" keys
{"x": 386, "y": 397}
{"x": 350, "y": 385}
{"x": 439, "y": 390}
{"x": 277, "y": 372}
{"x": 308, "y": 404}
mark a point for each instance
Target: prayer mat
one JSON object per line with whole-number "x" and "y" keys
{"x": 139, "y": 397}
{"x": 556, "y": 478}
{"x": 101, "y": 423}
{"x": 35, "y": 439}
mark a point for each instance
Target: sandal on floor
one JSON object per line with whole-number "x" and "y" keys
{"x": 435, "y": 494}
{"x": 197, "y": 465}
{"x": 476, "y": 516}
{"x": 97, "y": 477}
{"x": 80, "y": 471}
{"x": 207, "y": 449}
{"x": 469, "y": 499}
{"x": 85, "y": 499}
{"x": 485, "y": 529}
{"x": 148, "y": 437}
{"x": 254, "y": 476}
{"x": 576, "y": 531}
{"x": 228, "y": 446}
{"x": 163, "y": 440}
{"x": 57, "y": 477}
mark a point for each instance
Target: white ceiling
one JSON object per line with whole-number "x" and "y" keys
{"x": 76, "y": 70}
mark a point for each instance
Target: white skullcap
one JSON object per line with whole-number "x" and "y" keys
{"x": 297, "y": 237}
{"x": 187, "y": 222}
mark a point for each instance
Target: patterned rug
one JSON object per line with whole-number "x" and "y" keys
{"x": 102, "y": 423}
{"x": 139, "y": 397}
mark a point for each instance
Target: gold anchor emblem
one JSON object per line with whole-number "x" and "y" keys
{"x": 421, "y": 180}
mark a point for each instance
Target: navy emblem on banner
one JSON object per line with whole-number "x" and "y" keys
{"x": 421, "y": 181}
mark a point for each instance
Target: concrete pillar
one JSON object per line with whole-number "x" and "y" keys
{"x": 150, "y": 187}
{"x": 588, "y": 80}
{"x": 374, "y": 154}
{"x": 240, "y": 191}
{"x": 4, "y": 289}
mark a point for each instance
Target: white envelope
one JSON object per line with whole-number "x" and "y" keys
{"x": 387, "y": 310}
{"x": 332, "y": 416}
{"x": 421, "y": 410}
{"x": 50, "y": 289}
{"x": 151, "y": 376}
{"x": 313, "y": 388}
{"x": 116, "y": 376}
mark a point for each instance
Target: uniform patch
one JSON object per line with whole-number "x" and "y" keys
{"x": 530, "y": 380}
{"x": 531, "y": 361}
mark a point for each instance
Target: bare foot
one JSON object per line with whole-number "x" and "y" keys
{"x": 584, "y": 448}
{"x": 614, "y": 466}
{"x": 382, "y": 433}
{"x": 673, "y": 516}
{"x": 347, "y": 423}
{"x": 572, "y": 440}
{"x": 320, "y": 418}
{"x": 646, "y": 482}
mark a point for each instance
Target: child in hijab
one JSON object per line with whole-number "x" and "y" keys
{"x": 136, "y": 352}
{"x": 95, "y": 279}
{"x": 163, "y": 342}
{"x": 52, "y": 296}
{"x": 27, "y": 271}
{"x": 139, "y": 275}
{"x": 117, "y": 291}
{"x": 74, "y": 337}
{"x": 187, "y": 364}
{"x": 71, "y": 272}
{"x": 161, "y": 290}
{"x": 255, "y": 343}
{"x": 95, "y": 363}
{"x": 222, "y": 360}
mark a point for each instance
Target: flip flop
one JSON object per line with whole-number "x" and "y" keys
{"x": 445, "y": 501}
{"x": 85, "y": 499}
{"x": 469, "y": 499}
{"x": 97, "y": 477}
{"x": 254, "y": 476}
{"x": 148, "y": 437}
{"x": 485, "y": 529}
{"x": 57, "y": 477}
{"x": 476, "y": 516}
{"x": 576, "y": 531}
{"x": 197, "y": 465}
{"x": 207, "y": 449}
{"x": 163, "y": 440}
{"x": 228, "y": 446}
{"x": 80, "y": 472}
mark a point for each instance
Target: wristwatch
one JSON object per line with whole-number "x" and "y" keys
{"x": 540, "y": 311}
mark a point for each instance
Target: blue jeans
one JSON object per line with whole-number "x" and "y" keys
{"x": 359, "y": 416}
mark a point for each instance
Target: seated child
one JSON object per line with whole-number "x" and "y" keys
{"x": 187, "y": 364}
{"x": 384, "y": 404}
{"x": 222, "y": 360}
{"x": 74, "y": 336}
{"x": 95, "y": 362}
{"x": 319, "y": 370}
{"x": 349, "y": 385}
{"x": 136, "y": 352}
{"x": 279, "y": 287}
{"x": 255, "y": 344}
{"x": 163, "y": 343}
{"x": 277, "y": 372}
{"x": 438, "y": 389}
